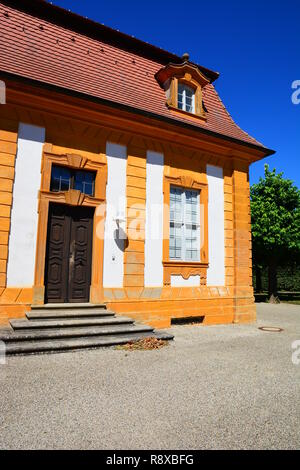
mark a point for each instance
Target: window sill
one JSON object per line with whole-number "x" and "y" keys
{"x": 193, "y": 116}
{"x": 185, "y": 263}
{"x": 184, "y": 269}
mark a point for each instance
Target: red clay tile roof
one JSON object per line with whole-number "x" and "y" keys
{"x": 36, "y": 48}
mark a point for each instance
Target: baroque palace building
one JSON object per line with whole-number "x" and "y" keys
{"x": 123, "y": 179}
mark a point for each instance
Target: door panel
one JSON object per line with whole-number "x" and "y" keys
{"x": 69, "y": 254}
{"x": 80, "y": 256}
{"x": 57, "y": 254}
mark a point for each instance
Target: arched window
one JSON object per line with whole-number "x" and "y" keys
{"x": 186, "y": 98}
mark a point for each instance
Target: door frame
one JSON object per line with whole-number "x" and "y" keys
{"x": 73, "y": 198}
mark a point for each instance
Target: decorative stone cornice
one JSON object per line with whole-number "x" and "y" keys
{"x": 186, "y": 70}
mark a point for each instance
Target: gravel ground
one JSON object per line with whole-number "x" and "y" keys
{"x": 216, "y": 387}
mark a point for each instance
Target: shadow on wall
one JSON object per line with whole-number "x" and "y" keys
{"x": 121, "y": 239}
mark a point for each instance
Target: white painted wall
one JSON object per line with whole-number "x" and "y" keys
{"x": 154, "y": 220}
{"x": 113, "y": 262}
{"x": 24, "y": 215}
{"x": 216, "y": 270}
{"x": 179, "y": 281}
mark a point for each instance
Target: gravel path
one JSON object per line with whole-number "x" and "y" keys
{"x": 217, "y": 387}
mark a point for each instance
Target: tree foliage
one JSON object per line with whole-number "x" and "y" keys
{"x": 275, "y": 214}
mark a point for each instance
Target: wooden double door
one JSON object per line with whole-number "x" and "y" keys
{"x": 69, "y": 254}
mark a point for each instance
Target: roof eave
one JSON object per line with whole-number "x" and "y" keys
{"x": 65, "y": 91}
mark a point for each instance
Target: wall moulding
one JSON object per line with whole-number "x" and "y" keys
{"x": 184, "y": 269}
{"x": 75, "y": 161}
{"x": 53, "y": 103}
{"x": 186, "y": 181}
{"x": 74, "y": 198}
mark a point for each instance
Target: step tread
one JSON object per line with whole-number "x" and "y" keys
{"x": 67, "y": 306}
{"x": 79, "y": 343}
{"x": 76, "y": 313}
{"x": 25, "y": 335}
{"x": 24, "y": 324}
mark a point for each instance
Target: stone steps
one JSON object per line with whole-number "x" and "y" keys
{"x": 67, "y": 344}
{"x": 29, "y": 324}
{"x": 70, "y": 313}
{"x": 56, "y": 311}
{"x": 53, "y": 333}
{"x": 64, "y": 327}
{"x": 85, "y": 306}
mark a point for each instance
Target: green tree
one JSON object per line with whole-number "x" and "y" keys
{"x": 275, "y": 216}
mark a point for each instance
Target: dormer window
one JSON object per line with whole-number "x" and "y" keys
{"x": 186, "y": 98}
{"x": 183, "y": 85}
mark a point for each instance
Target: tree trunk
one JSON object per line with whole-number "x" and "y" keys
{"x": 273, "y": 294}
{"x": 258, "y": 279}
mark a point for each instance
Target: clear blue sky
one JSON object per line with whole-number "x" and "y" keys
{"x": 254, "y": 44}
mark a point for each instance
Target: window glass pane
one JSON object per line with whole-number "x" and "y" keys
{"x": 60, "y": 179}
{"x": 189, "y": 92}
{"x": 63, "y": 179}
{"x": 180, "y": 88}
{"x": 175, "y": 242}
{"x": 186, "y": 98}
{"x": 191, "y": 207}
{"x": 175, "y": 204}
{"x": 184, "y": 240}
{"x": 84, "y": 181}
{"x": 192, "y": 226}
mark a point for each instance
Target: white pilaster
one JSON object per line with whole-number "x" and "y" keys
{"x": 216, "y": 245}
{"x": 154, "y": 220}
{"x": 24, "y": 214}
{"x": 113, "y": 262}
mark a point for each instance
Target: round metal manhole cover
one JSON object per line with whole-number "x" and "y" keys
{"x": 272, "y": 329}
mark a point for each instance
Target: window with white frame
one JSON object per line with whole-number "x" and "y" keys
{"x": 184, "y": 243}
{"x": 186, "y": 98}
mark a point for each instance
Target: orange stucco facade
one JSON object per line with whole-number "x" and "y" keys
{"x": 76, "y": 135}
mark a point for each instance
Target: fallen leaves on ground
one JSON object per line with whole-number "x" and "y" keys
{"x": 143, "y": 344}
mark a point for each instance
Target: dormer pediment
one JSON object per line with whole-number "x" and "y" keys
{"x": 185, "y": 70}
{"x": 183, "y": 84}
